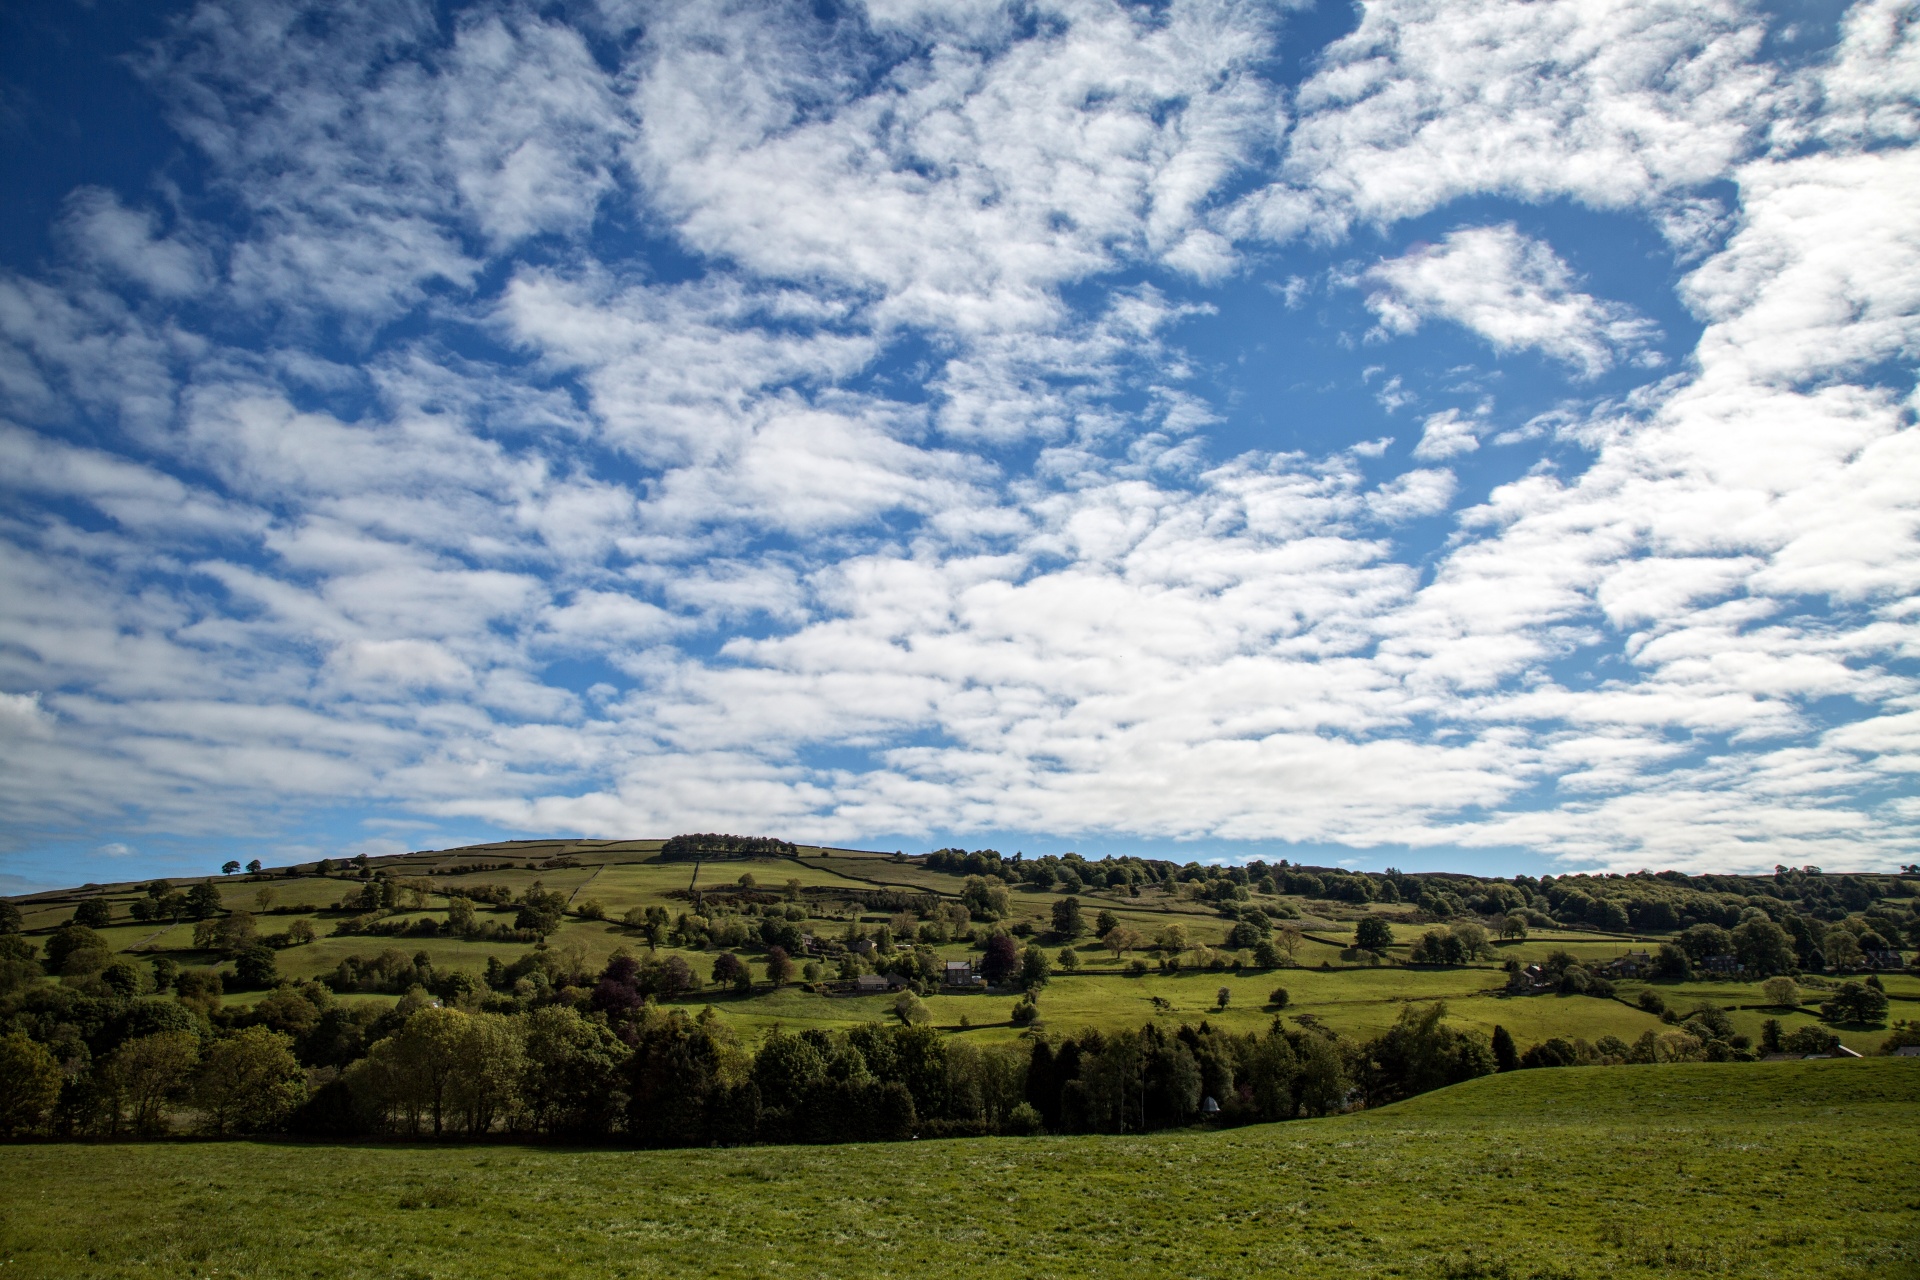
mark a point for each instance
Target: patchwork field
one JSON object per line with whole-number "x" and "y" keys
{"x": 1767, "y": 1169}
{"x": 1348, "y": 991}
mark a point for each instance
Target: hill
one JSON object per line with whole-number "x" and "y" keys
{"x": 454, "y": 922}
{"x": 1775, "y": 1169}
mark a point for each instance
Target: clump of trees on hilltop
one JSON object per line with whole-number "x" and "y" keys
{"x": 708, "y": 845}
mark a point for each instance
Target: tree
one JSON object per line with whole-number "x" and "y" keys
{"x": 203, "y": 901}
{"x": 94, "y": 913}
{"x": 1672, "y": 963}
{"x": 228, "y": 867}
{"x": 9, "y": 918}
{"x": 1035, "y": 970}
{"x": 1373, "y": 934}
{"x": 1780, "y": 992}
{"x": 1856, "y": 1003}
{"x": 1763, "y": 947}
{"x": 1287, "y": 938}
{"x": 1472, "y": 939}
{"x": 253, "y": 867}
{"x": 1809, "y": 1040}
{"x": 1067, "y": 920}
{"x": 1265, "y": 954}
{"x": 1120, "y": 940}
{"x": 230, "y": 934}
{"x": 571, "y": 1081}
{"x": 1104, "y": 922}
{"x": 985, "y": 898}
{"x": 69, "y": 940}
{"x": 779, "y": 966}
{"x": 147, "y": 1074}
{"x": 1420, "y": 1052}
{"x": 1278, "y": 997}
{"x": 1514, "y": 926}
{"x": 1505, "y": 1058}
{"x": 1221, "y": 997}
{"x": 29, "y": 1084}
{"x": 250, "y": 1082}
{"x": 1001, "y": 959}
{"x": 1842, "y": 948}
{"x": 122, "y": 979}
{"x": 911, "y": 1010}
{"x": 485, "y": 1084}
{"x": 730, "y": 971}
{"x": 18, "y": 968}
{"x": 1704, "y": 940}
{"x": 254, "y": 967}
{"x": 1069, "y": 960}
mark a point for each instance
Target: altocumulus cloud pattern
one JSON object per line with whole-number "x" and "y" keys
{"x": 1466, "y": 430}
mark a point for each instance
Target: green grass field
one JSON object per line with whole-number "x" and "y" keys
{"x": 1769, "y": 1169}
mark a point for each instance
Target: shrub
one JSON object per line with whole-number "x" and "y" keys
{"x": 1023, "y": 1121}
{"x": 1278, "y": 998}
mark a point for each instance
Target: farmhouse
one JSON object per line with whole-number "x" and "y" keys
{"x": 1529, "y": 981}
{"x": 1631, "y": 965}
{"x": 868, "y": 984}
{"x": 959, "y": 973}
{"x": 1724, "y": 965}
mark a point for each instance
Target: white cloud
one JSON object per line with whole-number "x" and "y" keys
{"x": 126, "y": 242}
{"x": 1614, "y": 103}
{"x": 1512, "y": 290}
{"x": 1446, "y": 434}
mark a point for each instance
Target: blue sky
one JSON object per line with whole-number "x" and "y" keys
{"x": 1470, "y": 435}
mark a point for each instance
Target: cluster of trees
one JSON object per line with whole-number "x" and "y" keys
{"x": 710, "y": 845}
{"x": 594, "y": 1057}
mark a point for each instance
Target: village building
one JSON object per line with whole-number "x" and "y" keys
{"x": 1529, "y": 981}
{"x": 1633, "y": 964}
{"x": 959, "y": 973}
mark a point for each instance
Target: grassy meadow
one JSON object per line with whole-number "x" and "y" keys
{"x": 1765, "y": 1169}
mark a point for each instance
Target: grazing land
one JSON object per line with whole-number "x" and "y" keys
{"x": 1767, "y": 1169}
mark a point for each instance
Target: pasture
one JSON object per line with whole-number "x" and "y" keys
{"x": 1766, "y": 1169}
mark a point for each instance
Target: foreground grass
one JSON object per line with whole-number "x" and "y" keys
{"x": 1777, "y": 1169}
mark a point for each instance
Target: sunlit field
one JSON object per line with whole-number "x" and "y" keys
{"x": 1769, "y": 1169}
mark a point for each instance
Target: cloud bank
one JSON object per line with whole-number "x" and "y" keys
{"x": 726, "y": 417}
